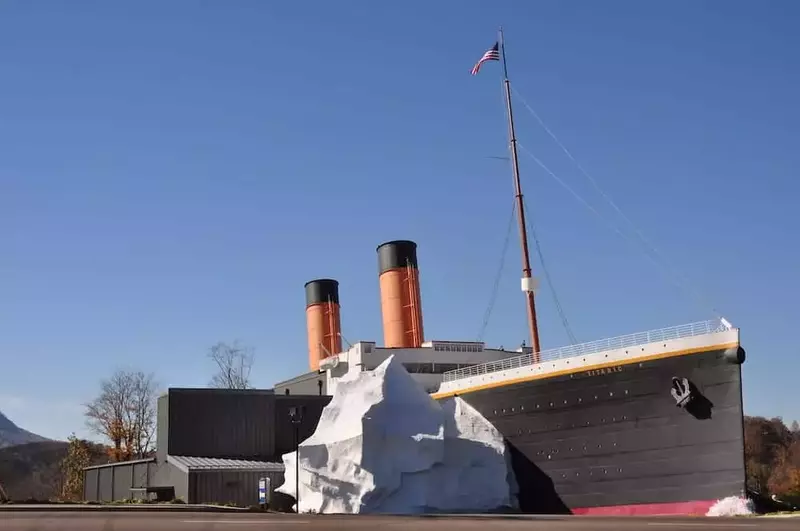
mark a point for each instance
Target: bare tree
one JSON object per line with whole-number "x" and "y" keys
{"x": 125, "y": 413}
{"x": 233, "y": 366}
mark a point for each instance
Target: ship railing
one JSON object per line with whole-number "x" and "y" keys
{"x": 593, "y": 347}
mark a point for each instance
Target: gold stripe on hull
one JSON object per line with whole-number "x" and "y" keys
{"x": 575, "y": 370}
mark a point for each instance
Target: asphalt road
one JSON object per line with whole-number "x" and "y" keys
{"x": 184, "y": 521}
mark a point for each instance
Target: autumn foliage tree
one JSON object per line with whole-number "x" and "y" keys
{"x": 785, "y": 478}
{"x": 772, "y": 453}
{"x": 78, "y": 457}
{"x": 125, "y": 413}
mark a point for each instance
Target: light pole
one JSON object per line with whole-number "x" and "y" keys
{"x": 296, "y": 416}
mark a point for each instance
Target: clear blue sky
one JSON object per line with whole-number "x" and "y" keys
{"x": 171, "y": 173}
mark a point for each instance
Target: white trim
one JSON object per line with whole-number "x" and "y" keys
{"x": 626, "y": 354}
{"x": 592, "y": 347}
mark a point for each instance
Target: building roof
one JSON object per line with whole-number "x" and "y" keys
{"x": 219, "y": 390}
{"x": 187, "y": 463}
{"x": 121, "y": 463}
{"x": 301, "y": 378}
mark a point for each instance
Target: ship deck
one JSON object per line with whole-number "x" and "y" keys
{"x": 663, "y": 342}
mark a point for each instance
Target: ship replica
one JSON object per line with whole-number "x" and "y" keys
{"x": 643, "y": 424}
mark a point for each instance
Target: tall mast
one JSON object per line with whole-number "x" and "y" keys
{"x": 527, "y": 282}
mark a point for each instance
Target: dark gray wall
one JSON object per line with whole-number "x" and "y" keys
{"x": 106, "y": 484}
{"x": 121, "y": 479}
{"x": 90, "y": 484}
{"x": 234, "y": 424}
{"x": 305, "y": 384}
{"x": 223, "y": 486}
{"x": 114, "y": 482}
{"x": 221, "y": 423}
{"x": 284, "y": 430}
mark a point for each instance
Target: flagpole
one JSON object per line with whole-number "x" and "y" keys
{"x": 527, "y": 282}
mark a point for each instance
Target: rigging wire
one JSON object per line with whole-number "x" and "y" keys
{"x": 613, "y": 227}
{"x": 686, "y": 285}
{"x": 532, "y": 229}
{"x": 496, "y": 286}
{"x": 559, "y": 308}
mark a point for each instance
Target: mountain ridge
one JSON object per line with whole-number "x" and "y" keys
{"x": 13, "y": 435}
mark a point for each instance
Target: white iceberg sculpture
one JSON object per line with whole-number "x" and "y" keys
{"x": 732, "y": 506}
{"x": 383, "y": 445}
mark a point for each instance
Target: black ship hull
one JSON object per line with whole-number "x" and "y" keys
{"x": 615, "y": 440}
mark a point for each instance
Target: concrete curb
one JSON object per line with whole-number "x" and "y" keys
{"x": 178, "y": 508}
{"x": 131, "y": 508}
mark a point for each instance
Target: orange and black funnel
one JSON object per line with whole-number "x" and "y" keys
{"x": 322, "y": 320}
{"x": 401, "y": 304}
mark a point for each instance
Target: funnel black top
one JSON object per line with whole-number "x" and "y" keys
{"x": 395, "y": 254}
{"x": 322, "y": 290}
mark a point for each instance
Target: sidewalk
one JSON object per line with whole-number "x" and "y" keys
{"x": 118, "y": 507}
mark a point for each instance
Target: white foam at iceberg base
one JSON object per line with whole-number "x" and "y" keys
{"x": 383, "y": 445}
{"x": 732, "y": 506}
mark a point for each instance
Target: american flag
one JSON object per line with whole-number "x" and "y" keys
{"x": 492, "y": 54}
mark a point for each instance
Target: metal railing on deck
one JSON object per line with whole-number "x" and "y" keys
{"x": 583, "y": 349}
